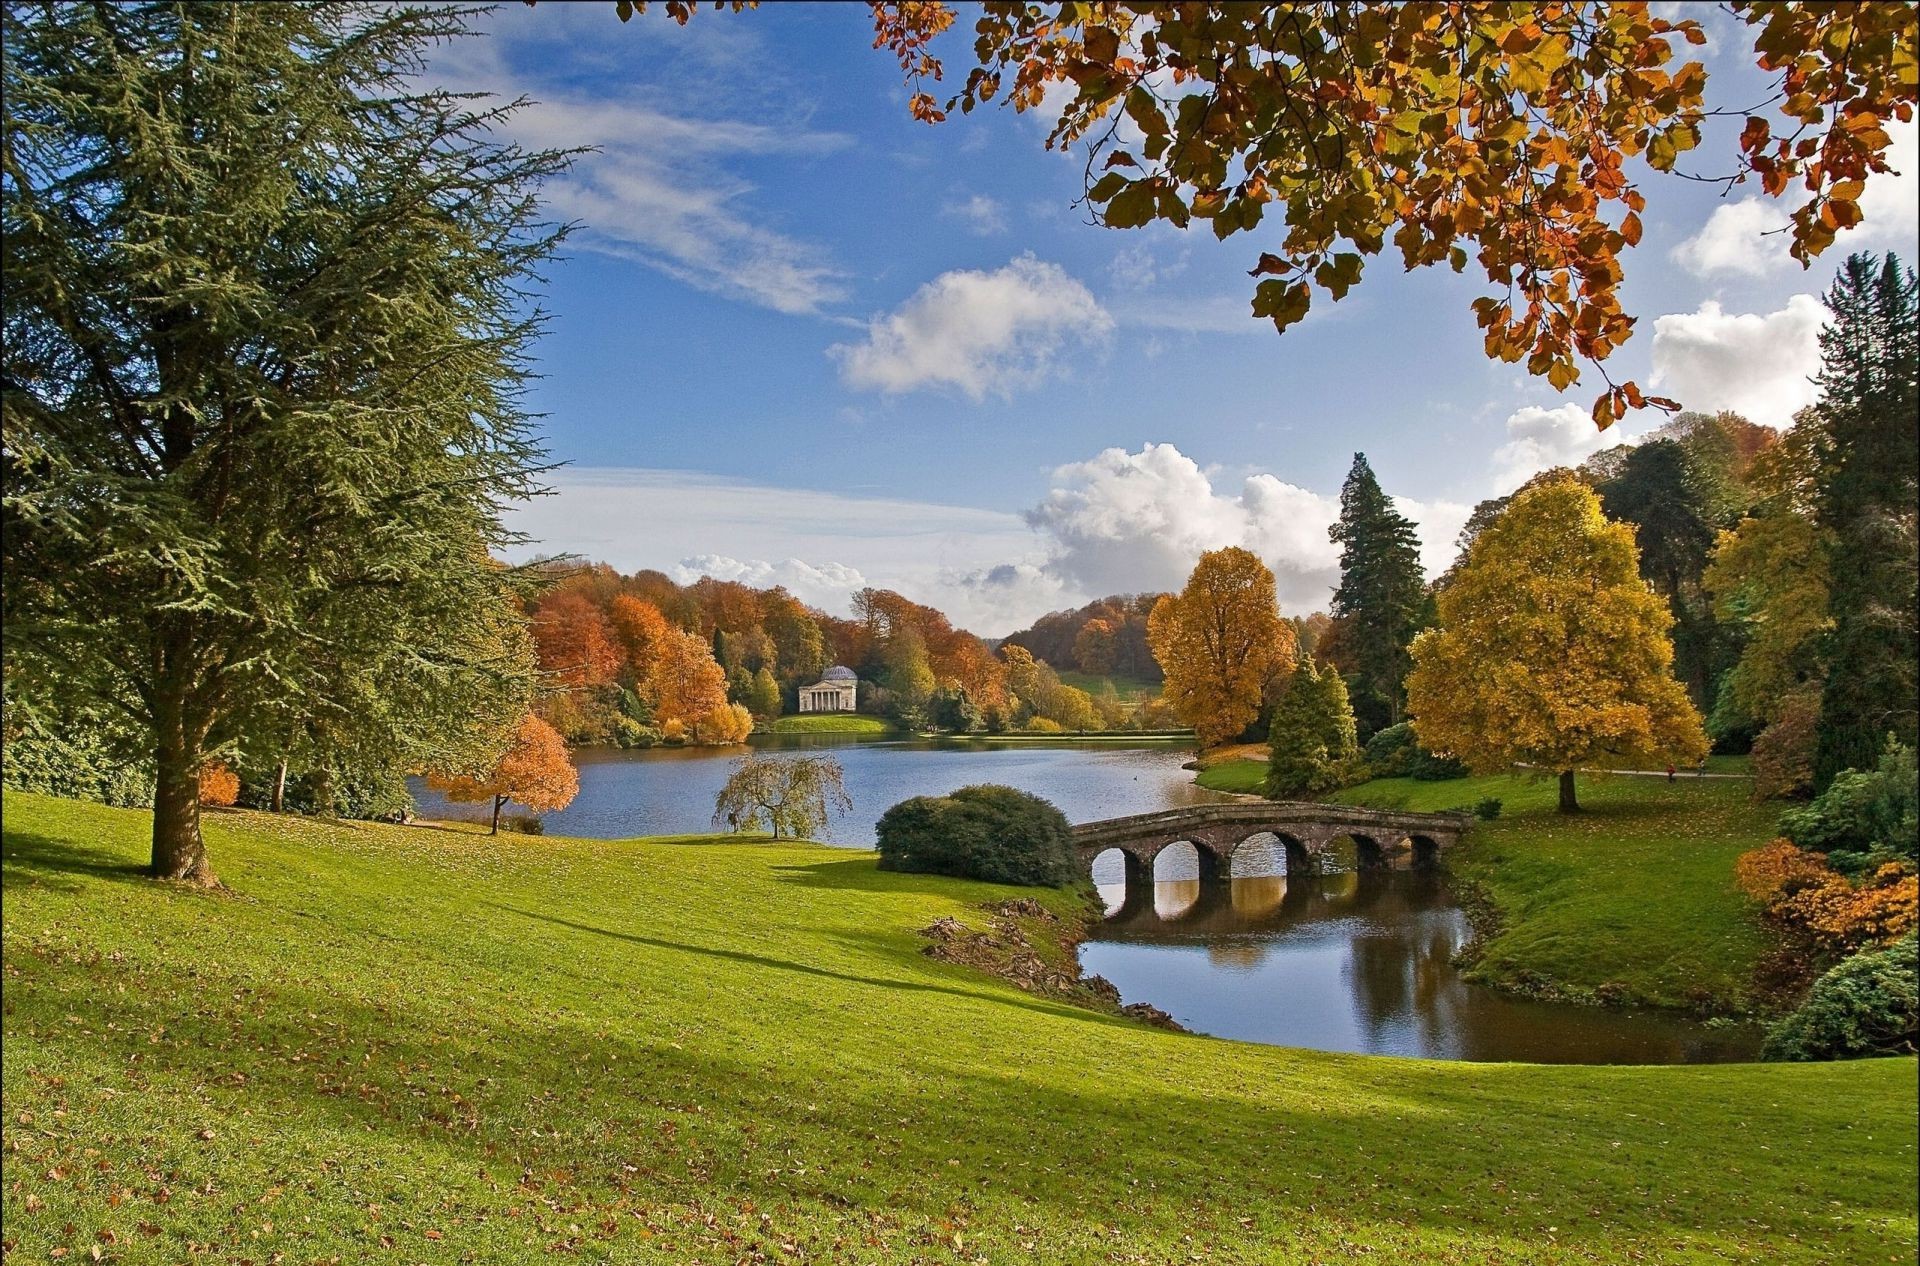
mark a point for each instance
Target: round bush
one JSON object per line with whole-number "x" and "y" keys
{"x": 1867, "y": 1005}
{"x": 999, "y": 834}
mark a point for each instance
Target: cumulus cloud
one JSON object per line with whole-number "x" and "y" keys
{"x": 983, "y": 216}
{"x": 1745, "y": 238}
{"x": 1125, "y": 522}
{"x": 1539, "y": 439}
{"x": 982, "y": 332}
{"x": 1757, "y": 364}
{"x": 1748, "y": 238}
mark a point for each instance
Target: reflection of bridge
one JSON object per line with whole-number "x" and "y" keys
{"x": 1381, "y": 838}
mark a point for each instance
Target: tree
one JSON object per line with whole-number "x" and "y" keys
{"x": 909, "y": 676}
{"x": 785, "y": 794}
{"x": 1496, "y": 133}
{"x": 683, "y": 682}
{"x": 763, "y": 698}
{"x": 576, "y": 642}
{"x": 1551, "y": 650}
{"x": 1094, "y": 647}
{"x": 1381, "y": 593}
{"x": 1219, "y": 641}
{"x": 533, "y": 771}
{"x": 638, "y": 629}
{"x": 1311, "y": 745}
{"x": 266, "y": 316}
{"x": 1660, "y": 491}
{"x": 998, "y": 834}
{"x": 1867, "y": 501}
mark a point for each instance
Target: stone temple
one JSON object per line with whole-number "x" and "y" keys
{"x": 834, "y": 692}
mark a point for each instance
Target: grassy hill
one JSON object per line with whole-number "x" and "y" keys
{"x": 423, "y": 1045}
{"x": 829, "y": 723}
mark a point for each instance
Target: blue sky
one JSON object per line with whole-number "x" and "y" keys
{"x": 801, "y": 338}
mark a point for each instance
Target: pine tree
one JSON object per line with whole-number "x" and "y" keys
{"x": 1660, "y": 491}
{"x": 1380, "y": 597}
{"x": 266, "y": 317}
{"x": 1870, "y": 396}
{"x": 1311, "y": 745}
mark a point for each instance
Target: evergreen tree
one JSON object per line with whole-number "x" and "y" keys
{"x": 1311, "y": 746}
{"x": 266, "y": 318}
{"x": 1662, "y": 493}
{"x": 1870, "y": 396}
{"x": 1380, "y": 596}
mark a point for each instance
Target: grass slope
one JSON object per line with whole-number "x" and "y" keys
{"x": 1243, "y": 776}
{"x": 416, "y": 1045}
{"x": 1634, "y": 897}
{"x": 829, "y": 723}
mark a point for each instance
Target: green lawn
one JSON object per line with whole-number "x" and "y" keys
{"x": 1244, "y": 776}
{"x": 1132, "y": 690}
{"x": 394, "y": 1044}
{"x": 1636, "y": 892}
{"x": 829, "y": 723}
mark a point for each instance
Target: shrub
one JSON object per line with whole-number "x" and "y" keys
{"x": 986, "y": 832}
{"x": 1865, "y": 1006}
{"x": 1783, "y": 752}
{"x": 1395, "y": 753}
{"x": 1864, "y": 818}
{"x": 1802, "y": 892}
{"x": 523, "y": 823}
{"x": 1043, "y": 725}
{"x": 1487, "y": 809}
{"x": 219, "y": 786}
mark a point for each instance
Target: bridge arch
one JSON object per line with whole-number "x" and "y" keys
{"x": 1268, "y": 853}
{"x": 1426, "y": 851}
{"x": 1353, "y": 850}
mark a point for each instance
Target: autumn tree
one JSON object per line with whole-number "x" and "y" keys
{"x": 534, "y": 771}
{"x": 1219, "y": 641}
{"x": 1381, "y": 593}
{"x": 763, "y": 696}
{"x": 683, "y": 682}
{"x": 1867, "y": 502}
{"x": 1503, "y": 135}
{"x": 1311, "y": 742}
{"x": 266, "y": 322}
{"x": 783, "y": 795}
{"x": 576, "y": 641}
{"x": 1551, "y": 650}
{"x": 1094, "y": 647}
{"x": 638, "y": 629}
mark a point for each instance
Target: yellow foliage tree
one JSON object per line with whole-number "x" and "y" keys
{"x": 533, "y": 771}
{"x": 1219, "y": 641}
{"x": 1551, "y": 650}
{"x": 684, "y": 682}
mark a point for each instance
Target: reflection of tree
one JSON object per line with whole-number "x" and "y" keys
{"x": 1174, "y": 898}
{"x": 1261, "y": 895}
{"x": 1401, "y": 969}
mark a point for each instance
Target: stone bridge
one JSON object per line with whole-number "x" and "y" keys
{"x": 1382, "y": 838}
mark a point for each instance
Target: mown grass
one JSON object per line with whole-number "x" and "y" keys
{"x": 1243, "y": 776}
{"x": 829, "y": 723}
{"x": 418, "y": 1045}
{"x": 1634, "y": 897}
{"x": 1132, "y": 690}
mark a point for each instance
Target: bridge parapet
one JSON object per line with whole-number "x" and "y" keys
{"x": 1306, "y": 828}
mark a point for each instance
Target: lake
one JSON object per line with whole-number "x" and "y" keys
{"x": 1349, "y": 961}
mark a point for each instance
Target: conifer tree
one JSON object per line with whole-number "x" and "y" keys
{"x": 1311, "y": 746}
{"x": 1870, "y": 397}
{"x": 1380, "y": 596}
{"x": 1660, "y": 491}
{"x": 266, "y": 315}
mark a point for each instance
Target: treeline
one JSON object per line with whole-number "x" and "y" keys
{"x": 635, "y": 660}
{"x": 1105, "y": 638}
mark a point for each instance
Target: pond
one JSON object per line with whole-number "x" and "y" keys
{"x": 670, "y": 791}
{"x": 1358, "y": 961}
{"x": 1342, "y": 962}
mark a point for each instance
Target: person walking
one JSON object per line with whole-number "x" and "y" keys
{"x": 1669, "y": 773}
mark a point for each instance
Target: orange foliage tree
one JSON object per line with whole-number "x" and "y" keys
{"x": 683, "y": 681}
{"x": 638, "y": 628}
{"x": 1798, "y": 889}
{"x": 574, "y": 640}
{"x": 1551, "y": 650}
{"x": 533, "y": 771}
{"x": 1220, "y": 641}
{"x": 1502, "y": 135}
{"x": 218, "y": 784}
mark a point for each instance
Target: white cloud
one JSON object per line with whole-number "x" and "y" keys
{"x": 1125, "y": 522}
{"x": 656, "y": 189}
{"x": 983, "y": 216}
{"x": 1748, "y": 238}
{"x": 983, "y": 332}
{"x": 1745, "y": 238}
{"x": 1759, "y": 365}
{"x": 1539, "y": 439}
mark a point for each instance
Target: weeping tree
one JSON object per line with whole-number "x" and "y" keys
{"x": 266, "y": 325}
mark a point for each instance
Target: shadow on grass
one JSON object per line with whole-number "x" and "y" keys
{"x": 40, "y": 860}
{"x": 782, "y": 964}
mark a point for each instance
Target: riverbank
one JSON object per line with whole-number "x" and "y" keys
{"x": 394, "y": 1043}
{"x": 1631, "y": 901}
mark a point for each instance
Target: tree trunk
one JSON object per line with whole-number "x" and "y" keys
{"x": 280, "y": 787}
{"x": 499, "y": 803}
{"x": 1568, "y": 804}
{"x": 178, "y": 850}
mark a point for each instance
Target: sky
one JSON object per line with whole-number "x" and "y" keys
{"x": 799, "y": 338}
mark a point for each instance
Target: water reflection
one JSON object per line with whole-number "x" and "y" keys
{"x": 1361, "y": 961}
